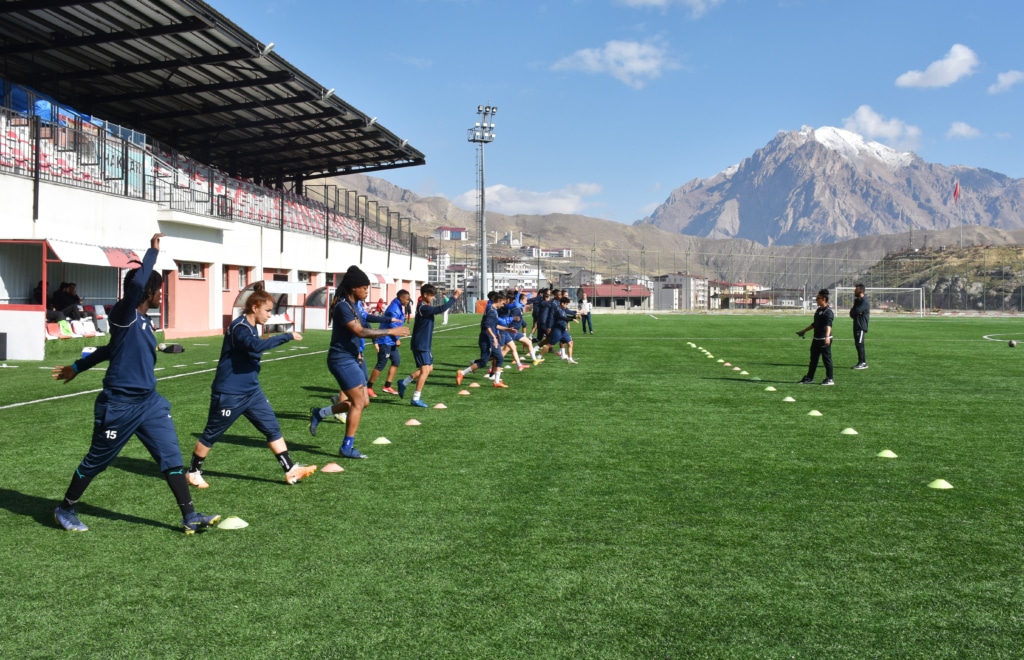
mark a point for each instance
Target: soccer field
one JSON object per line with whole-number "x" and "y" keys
{"x": 647, "y": 502}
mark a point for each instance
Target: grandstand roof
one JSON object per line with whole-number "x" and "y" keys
{"x": 187, "y": 76}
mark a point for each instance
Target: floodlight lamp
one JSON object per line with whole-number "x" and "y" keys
{"x": 494, "y": 110}
{"x": 371, "y": 122}
{"x": 479, "y": 108}
{"x": 327, "y": 93}
{"x": 265, "y": 50}
{"x": 403, "y": 145}
{"x": 487, "y": 110}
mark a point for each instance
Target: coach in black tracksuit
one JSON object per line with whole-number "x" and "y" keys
{"x": 821, "y": 345}
{"x": 861, "y": 314}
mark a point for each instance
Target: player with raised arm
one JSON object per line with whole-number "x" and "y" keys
{"x": 236, "y": 390}
{"x": 129, "y": 403}
{"x": 422, "y": 340}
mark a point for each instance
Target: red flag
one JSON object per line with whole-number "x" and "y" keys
{"x": 956, "y": 191}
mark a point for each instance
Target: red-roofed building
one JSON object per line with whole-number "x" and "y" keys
{"x": 618, "y": 296}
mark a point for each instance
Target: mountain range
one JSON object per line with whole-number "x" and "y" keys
{"x": 827, "y": 185}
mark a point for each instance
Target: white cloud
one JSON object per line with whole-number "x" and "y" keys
{"x": 1004, "y": 81}
{"x": 961, "y": 129}
{"x": 512, "y": 201}
{"x": 894, "y": 132}
{"x": 959, "y": 62}
{"x": 630, "y": 62}
{"x": 697, "y": 7}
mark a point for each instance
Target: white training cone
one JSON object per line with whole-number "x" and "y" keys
{"x": 940, "y": 484}
{"x": 382, "y": 441}
{"x": 727, "y": 364}
{"x": 848, "y": 431}
{"x": 814, "y": 413}
{"x": 413, "y": 422}
{"x": 474, "y": 384}
{"x": 232, "y": 522}
{"x": 886, "y": 453}
{"x": 770, "y": 389}
{"x": 736, "y": 369}
{"x": 332, "y": 467}
{"x": 789, "y": 399}
{"x": 440, "y": 406}
{"x": 463, "y": 392}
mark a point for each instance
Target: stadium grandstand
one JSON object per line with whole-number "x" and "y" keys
{"x": 126, "y": 118}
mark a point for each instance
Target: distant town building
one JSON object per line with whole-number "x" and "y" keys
{"x": 451, "y": 234}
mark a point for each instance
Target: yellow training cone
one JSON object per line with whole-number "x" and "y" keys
{"x": 744, "y": 373}
{"x": 789, "y": 399}
{"x": 814, "y": 413}
{"x": 848, "y": 431}
{"x": 770, "y": 389}
{"x": 232, "y": 522}
{"x": 940, "y": 484}
{"x": 886, "y": 453}
{"x": 710, "y": 355}
{"x": 754, "y": 378}
{"x": 721, "y": 360}
{"x": 382, "y": 441}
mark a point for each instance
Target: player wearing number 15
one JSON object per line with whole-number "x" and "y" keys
{"x": 236, "y": 390}
{"x": 129, "y": 403}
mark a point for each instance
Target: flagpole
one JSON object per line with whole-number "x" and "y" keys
{"x": 959, "y": 213}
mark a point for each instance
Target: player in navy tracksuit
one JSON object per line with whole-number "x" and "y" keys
{"x": 387, "y": 347}
{"x": 560, "y": 329}
{"x": 490, "y": 342}
{"x": 821, "y": 344}
{"x": 422, "y": 340}
{"x": 344, "y": 358}
{"x": 236, "y": 390}
{"x": 129, "y": 403}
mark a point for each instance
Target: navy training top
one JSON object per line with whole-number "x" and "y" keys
{"x": 423, "y": 324}
{"x": 238, "y": 371}
{"x": 345, "y": 344}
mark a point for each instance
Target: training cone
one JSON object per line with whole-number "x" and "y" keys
{"x": 721, "y": 360}
{"x": 789, "y": 399}
{"x": 755, "y": 378}
{"x": 232, "y": 522}
{"x": 440, "y": 406}
{"x": 710, "y": 355}
{"x": 474, "y": 384}
{"x": 463, "y": 392}
{"x": 770, "y": 389}
{"x": 848, "y": 431}
{"x": 940, "y": 484}
{"x": 727, "y": 364}
{"x": 413, "y": 422}
{"x": 744, "y": 373}
{"x": 886, "y": 453}
{"x": 332, "y": 467}
{"x": 382, "y": 441}
{"x": 736, "y": 369}
{"x": 814, "y": 413}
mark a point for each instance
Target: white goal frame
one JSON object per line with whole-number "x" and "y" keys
{"x": 876, "y": 296}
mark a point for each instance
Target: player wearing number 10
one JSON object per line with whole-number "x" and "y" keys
{"x": 236, "y": 390}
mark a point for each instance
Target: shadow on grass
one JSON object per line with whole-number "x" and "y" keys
{"x": 40, "y": 509}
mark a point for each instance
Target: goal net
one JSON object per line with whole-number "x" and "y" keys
{"x": 884, "y": 299}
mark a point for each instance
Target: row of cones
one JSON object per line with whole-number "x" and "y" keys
{"x": 940, "y": 484}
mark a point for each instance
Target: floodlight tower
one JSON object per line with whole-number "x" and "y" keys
{"x": 480, "y": 134}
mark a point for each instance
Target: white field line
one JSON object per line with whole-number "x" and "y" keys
{"x": 179, "y": 375}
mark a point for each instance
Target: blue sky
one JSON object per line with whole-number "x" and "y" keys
{"x": 605, "y": 106}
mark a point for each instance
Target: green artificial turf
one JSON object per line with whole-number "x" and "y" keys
{"x": 647, "y": 502}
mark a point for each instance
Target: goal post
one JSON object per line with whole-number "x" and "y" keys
{"x": 904, "y": 300}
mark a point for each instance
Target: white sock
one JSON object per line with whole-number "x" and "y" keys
{"x": 467, "y": 371}
{"x": 416, "y": 395}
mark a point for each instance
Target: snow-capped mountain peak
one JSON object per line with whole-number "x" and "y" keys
{"x": 854, "y": 147}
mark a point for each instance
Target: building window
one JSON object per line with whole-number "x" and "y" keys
{"x": 224, "y": 277}
{"x": 188, "y": 270}
{"x": 304, "y": 276}
{"x": 243, "y": 277}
